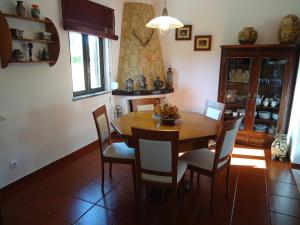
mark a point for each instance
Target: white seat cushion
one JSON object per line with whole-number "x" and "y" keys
{"x": 119, "y": 150}
{"x": 182, "y": 165}
{"x": 202, "y": 158}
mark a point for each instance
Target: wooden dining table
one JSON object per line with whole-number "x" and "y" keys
{"x": 194, "y": 128}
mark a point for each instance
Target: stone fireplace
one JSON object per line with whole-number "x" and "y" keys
{"x": 140, "y": 50}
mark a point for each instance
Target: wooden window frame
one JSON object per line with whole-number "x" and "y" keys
{"x": 86, "y": 63}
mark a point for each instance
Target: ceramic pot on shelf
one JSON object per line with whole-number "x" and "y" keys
{"x": 35, "y": 11}
{"x": 248, "y": 35}
{"x": 20, "y": 8}
{"x": 289, "y": 29}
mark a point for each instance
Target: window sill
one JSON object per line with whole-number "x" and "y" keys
{"x": 90, "y": 95}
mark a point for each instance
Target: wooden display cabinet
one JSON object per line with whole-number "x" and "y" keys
{"x": 258, "y": 81}
{"x": 6, "y": 44}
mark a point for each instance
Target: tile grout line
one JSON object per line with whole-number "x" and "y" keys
{"x": 234, "y": 195}
{"x": 267, "y": 197}
{"x": 285, "y": 214}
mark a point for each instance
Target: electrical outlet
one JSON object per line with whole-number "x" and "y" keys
{"x": 13, "y": 164}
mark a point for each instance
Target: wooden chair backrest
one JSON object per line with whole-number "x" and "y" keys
{"x": 226, "y": 141}
{"x": 156, "y": 152}
{"x": 144, "y": 104}
{"x": 102, "y": 126}
{"x": 214, "y": 109}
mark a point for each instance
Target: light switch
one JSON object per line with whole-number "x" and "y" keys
{"x": 3, "y": 116}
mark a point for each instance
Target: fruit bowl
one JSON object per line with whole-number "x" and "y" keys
{"x": 166, "y": 113}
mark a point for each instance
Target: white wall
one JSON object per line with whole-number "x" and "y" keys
{"x": 43, "y": 123}
{"x": 197, "y": 73}
{"x": 294, "y": 128}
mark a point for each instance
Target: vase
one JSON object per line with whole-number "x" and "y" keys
{"x": 18, "y": 55}
{"x": 289, "y": 29}
{"x": 35, "y": 11}
{"x": 20, "y": 8}
{"x": 279, "y": 147}
{"x": 170, "y": 78}
{"x": 248, "y": 35}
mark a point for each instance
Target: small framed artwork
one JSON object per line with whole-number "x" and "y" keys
{"x": 184, "y": 33}
{"x": 202, "y": 43}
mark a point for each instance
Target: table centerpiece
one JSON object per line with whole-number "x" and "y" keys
{"x": 166, "y": 113}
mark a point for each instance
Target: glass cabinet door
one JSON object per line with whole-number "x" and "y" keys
{"x": 237, "y": 87}
{"x": 269, "y": 95}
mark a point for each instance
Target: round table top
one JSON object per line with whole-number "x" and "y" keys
{"x": 191, "y": 125}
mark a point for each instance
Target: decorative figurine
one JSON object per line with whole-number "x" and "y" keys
{"x": 170, "y": 78}
{"x": 158, "y": 83}
{"x": 129, "y": 84}
{"x": 30, "y": 47}
{"x": 44, "y": 55}
{"x": 20, "y": 9}
{"x": 35, "y": 11}
{"x": 143, "y": 82}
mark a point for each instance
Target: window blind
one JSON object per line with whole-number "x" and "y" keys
{"x": 88, "y": 17}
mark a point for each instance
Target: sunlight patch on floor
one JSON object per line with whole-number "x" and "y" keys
{"x": 256, "y": 163}
{"x": 249, "y": 152}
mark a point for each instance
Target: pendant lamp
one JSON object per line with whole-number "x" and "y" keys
{"x": 164, "y": 23}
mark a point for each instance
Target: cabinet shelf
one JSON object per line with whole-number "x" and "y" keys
{"x": 30, "y": 62}
{"x": 6, "y": 44}
{"x": 265, "y": 121}
{"x": 237, "y": 82}
{"x": 263, "y": 108}
{"x": 33, "y": 40}
{"x": 26, "y": 18}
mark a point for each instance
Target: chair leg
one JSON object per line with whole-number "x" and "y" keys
{"x": 191, "y": 178}
{"x": 198, "y": 178}
{"x": 212, "y": 193}
{"x": 134, "y": 179}
{"x": 227, "y": 182}
{"x": 110, "y": 170}
{"x": 102, "y": 176}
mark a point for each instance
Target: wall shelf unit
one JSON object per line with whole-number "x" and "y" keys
{"x": 6, "y": 45}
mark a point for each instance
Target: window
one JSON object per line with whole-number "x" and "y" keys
{"x": 87, "y": 64}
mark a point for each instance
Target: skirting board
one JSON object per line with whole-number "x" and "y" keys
{"x": 50, "y": 167}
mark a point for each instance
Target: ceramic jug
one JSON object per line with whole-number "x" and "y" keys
{"x": 129, "y": 84}
{"x": 259, "y": 99}
{"x": 266, "y": 102}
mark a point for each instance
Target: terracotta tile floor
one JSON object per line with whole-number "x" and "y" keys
{"x": 262, "y": 192}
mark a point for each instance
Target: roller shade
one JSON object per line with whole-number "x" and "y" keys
{"x": 88, "y": 17}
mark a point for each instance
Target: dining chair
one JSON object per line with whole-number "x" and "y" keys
{"x": 157, "y": 160}
{"x": 144, "y": 104}
{"x": 117, "y": 152}
{"x": 210, "y": 163}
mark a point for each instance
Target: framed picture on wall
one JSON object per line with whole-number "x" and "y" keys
{"x": 184, "y": 33}
{"x": 202, "y": 43}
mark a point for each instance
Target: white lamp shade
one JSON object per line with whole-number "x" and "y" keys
{"x": 164, "y": 23}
